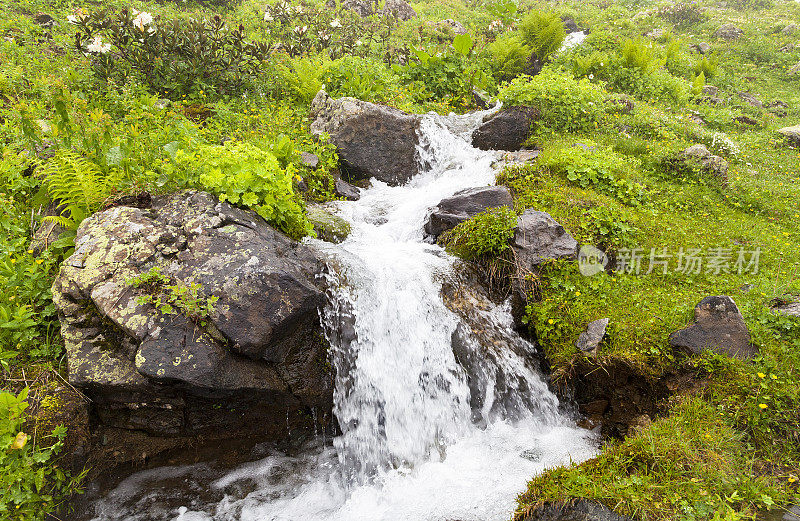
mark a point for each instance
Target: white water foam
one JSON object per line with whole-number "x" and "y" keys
{"x": 416, "y": 442}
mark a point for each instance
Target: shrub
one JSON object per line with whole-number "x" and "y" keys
{"x": 543, "y": 32}
{"x": 682, "y": 14}
{"x": 509, "y": 57}
{"x": 707, "y": 66}
{"x": 487, "y": 234}
{"x": 607, "y": 230}
{"x": 179, "y": 57}
{"x": 30, "y": 484}
{"x": 245, "y": 175}
{"x": 566, "y": 104}
{"x": 638, "y": 54}
{"x": 367, "y": 79}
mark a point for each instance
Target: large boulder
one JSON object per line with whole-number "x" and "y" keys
{"x": 372, "y": 140}
{"x": 400, "y": 9}
{"x": 791, "y": 133}
{"x": 255, "y": 363}
{"x": 538, "y": 237}
{"x": 728, "y": 32}
{"x": 719, "y": 327}
{"x": 465, "y": 204}
{"x": 698, "y": 157}
{"x": 507, "y": 129}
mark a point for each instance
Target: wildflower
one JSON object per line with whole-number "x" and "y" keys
{"x": 359, "y": 42}
{"x": 773, "y": 377}
{"x": 267, "y": 17}
{"x": 762, "y": 405}
{"x": 142, "y": 20}
{"x": 551, "y": 321}
{"x": 20, "y": 441}
{"x": 97, "y": 46}
{"x": 336, "y": 23}
{"x": 30, "y": 252}
{"x": 761, "y": 375}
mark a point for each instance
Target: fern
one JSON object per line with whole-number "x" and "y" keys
{"x": 543, "y": 32}
{"x": 509, "y": 57}
{"x": 304, "y": 77}
{"x": 78, "y": 185}
{"x": 636, "y": 54}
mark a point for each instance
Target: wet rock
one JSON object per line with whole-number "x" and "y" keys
{"x": 581, "y": 510}
{"x": 539, "y": 237}
{"x": 728, "y": 32}
{"x": 507, "y": 129}
{"x": 465, "y": 204}
{"x": 482, "y": 100}
{"x": 569, "y": 25}
{"x": 751, "y": 100}
{"x": 594, "y": 334}
{"x": 698, "y": 157}
{"x": 719, "y": 327}
{"x": 257, "y": 356}
{"x": 372, "y": 140}
{"x": 702, "y": 48}
{"x": 329, "y": 227}
{"x": 400, "y": 9}
{"x": 346, "y": 190}
{"x": 519, "y": 156}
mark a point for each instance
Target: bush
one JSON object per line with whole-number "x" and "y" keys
{"x": 543, "y": 32}
{"x": 509, "y": 57}
{"x": 179, "y": 57}
{"x": 566, "y": 104}
{"x": 487, "y": 234}
{"x": 245, "y": 175}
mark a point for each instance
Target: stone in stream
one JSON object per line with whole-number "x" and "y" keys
{"x": 538, "y": 237}
{"x": 329, "y": 227}
{"x": 507, "y": 129}
{"x": 253, "y": 367}
{"x": 718, "y": 327}
{"x": 346, "y": 190}
{"x": 372, "y": 140}
{"x": 465, "y": 204}
{"x": 579, "y": 510}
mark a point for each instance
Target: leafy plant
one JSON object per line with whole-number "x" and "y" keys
{"x": 245, "y": 175}
{"x": 707, "y": 66}
{"x": 543, "y": 32}
{"x": 30, "y": 484}
{"x": 487, "y": 234}
{"x": 170, "y": 298}
{"x": 509, "y": 57}
{"x": 607, "y": 229}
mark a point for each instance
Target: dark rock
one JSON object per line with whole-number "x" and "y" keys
{"x": 329, "y": 227}
{"x": 44, "y": 20}
{"x": 372, "y": 140}
{"x": 702, "y": 48}
{"x": 711, "y": 100}
{"x": 728, "y": 32}
{"x": 569, "y": 25}
{"x": 534, "y": 65}
{"x": 751, "y": 100}
{"x": 400, "y": 9}
{"x": 700, "y": 158}
{"x": 539, "y": 237}
{"x": 580, "y": 510}
{"x": 259, "y": 355}
{"x": 591, "y": 338}
{"x": 507, "y": 129}
{"x": 719, "y": 327}
{"x": 746, "y": 120}
{"x": 310, "y": 160}
{"x": 346, "y": 190}
{"x": 465, "y": 204}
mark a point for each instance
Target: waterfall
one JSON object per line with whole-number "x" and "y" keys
{"x": 443, "y": 412}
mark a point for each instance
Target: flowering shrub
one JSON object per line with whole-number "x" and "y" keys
{"x": 174, "y": 57}
{"x": 302, "y": 30}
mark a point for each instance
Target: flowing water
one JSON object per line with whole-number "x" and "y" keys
{"x": 437, "y": 422}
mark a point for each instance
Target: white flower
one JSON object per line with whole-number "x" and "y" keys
{"x": 268, "y": 17}
{"x": 336, "y": 23}
{"x": 142, "y": 20}
{"x": 359, "y": 42}
{"x": 71, "y": 19}
{"x": 97, "y": 46}
{"x": 591, "y": 76}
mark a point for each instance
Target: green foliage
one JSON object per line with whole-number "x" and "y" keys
{"x": 566, "y": 104}
{"x": 638, "y": 54}
{"x": 30, "y": 485}
{"x": 594, "y": 64}
{"x": 608, "y": 230}
{"x": 487, "y": 234}
{"x": 171, "y": 298}
{"x": 176, "y": 57}
{"x": 245, "y": 175}
{"x": 587, "y": 165}
{"x": 367, "y": 79}
{"x": 509, "y": 57}
{"x": 683, "y": 14}
{"x": 304, "y": 77}
{"x": 708, "y": 66}
{"x": 543, "y": 32}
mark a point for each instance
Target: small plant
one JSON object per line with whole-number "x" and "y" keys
{"x": 707, "y": 66}
{"x": 171, "y": 298}
{"x": 607, "y": 230}
{"x": 31, "y": 485}
{"x": 509, "y": 57}
{"x": 487, "y": 234}
{"x": 543, "y": 32}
